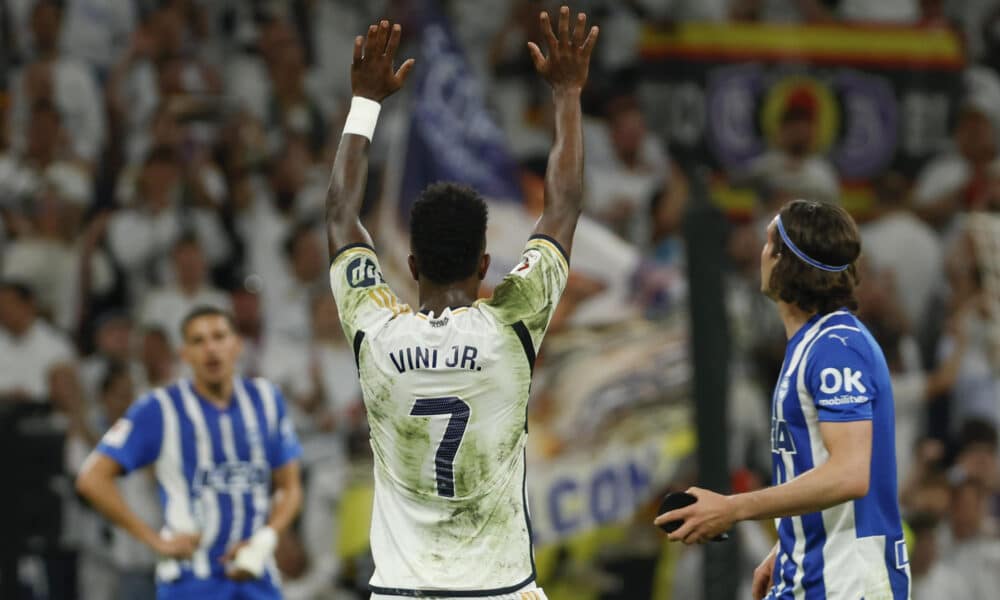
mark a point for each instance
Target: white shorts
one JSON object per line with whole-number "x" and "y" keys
{"x": 528, "y": 592}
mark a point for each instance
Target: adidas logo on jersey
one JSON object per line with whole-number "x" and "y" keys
{"x": 362, "y": 272}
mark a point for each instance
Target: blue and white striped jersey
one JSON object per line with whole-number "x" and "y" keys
{"x": 835, "y": 371}
{"x": 213, "y": 466}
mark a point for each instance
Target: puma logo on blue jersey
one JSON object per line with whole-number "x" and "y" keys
{"x": 842, "y": 338}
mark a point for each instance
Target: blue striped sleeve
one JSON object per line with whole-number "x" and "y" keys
{"x": 134, "y": 440}
{"x": 283, "y": 445}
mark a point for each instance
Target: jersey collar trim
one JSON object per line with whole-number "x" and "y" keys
{"x": 355, "y": 246}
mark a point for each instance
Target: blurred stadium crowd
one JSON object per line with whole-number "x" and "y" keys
{"x": 156, "y": 155}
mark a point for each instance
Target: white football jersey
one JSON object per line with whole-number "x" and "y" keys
{"x": 447, "y": 399}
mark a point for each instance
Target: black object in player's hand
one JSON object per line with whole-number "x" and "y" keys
{"x": 675, "y": 500}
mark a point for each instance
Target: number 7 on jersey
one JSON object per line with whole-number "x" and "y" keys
{"x": 444, "y": 459}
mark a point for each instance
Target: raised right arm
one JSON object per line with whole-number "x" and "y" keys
{"x": 372, "y": 80}
{"x": 346, "y": 191}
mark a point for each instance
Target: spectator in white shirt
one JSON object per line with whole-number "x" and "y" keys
{"x": 977, "y": 453}
{"x": 159, "y": 70}
{"x": 793, "y": 168}
{"x": 319, "y": 373}
{"x": 320, "y": 377}
{"x": 247, "y": 315}
{"x": 933, "y": 577}
{"x": 166, "y": 306}
{"x": 956, "y": 179}
{"x": 263, "y": 222}
{"x": 977, "y": 386}
{"x": 286, "y": 304}
{"x": 48, "y": 257}
{"x": 21, "y": 171}
{"x": 292, "y": 107}
{"x": 113, "y": 343}
{"x": 926, "y": 490}
{"x": 897, "y": 241}
{"x": 277, "y": 88}
{"x": 18, "y": 16}
{"x": 157, "y": 359}
{"x": 97, "y": 30}
{"x": 165, "y": 131}
{"x": 62, "y": 80}
{"x": 970, "y": 544}
{"x": 627, "y": 170}
{"x": 33, "y": 351}
{"x": 140, "y": 236}
{"x": 913, "y": 388}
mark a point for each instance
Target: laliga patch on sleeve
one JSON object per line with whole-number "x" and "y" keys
{"x": 528, "y": 261}
{"x": 362, "y": 272}
{"x": 118, "y": 434}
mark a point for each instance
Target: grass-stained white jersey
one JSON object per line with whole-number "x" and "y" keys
{"x": 447, "y": 397}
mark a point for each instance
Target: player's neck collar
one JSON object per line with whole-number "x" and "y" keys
{"x": 216, "y": 404}
{"x": 429, "y": 312}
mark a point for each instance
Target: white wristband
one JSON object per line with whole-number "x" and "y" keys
{"x": 253, "y": 557}
{"x": 362, "y": 117}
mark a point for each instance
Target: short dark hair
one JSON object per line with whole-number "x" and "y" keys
{"x": 888, "y": 335}
{"x": 826, "y": 233}
{"x": 892, "y": 189}
{"x": 56, "y": 4}
{"x": 976, "y": 431}
{"x": 206, "y": 311}
{"x": 155, "y": 331}
{"x": 19, "y": 288}
{"x": 448, "y": 232}
{"x": 186, "y": 238}
{"x": 46, "y": 107}
{"x": 923, "y": 523}
{"x": 160, "y": 154}
{"x": 962, "y": 481}
{"x": 114, "y": 371}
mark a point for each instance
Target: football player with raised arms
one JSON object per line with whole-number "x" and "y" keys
{"x": 446, "y": 386}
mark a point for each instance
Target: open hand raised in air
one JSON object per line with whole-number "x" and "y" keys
{"x": 568, "y": 60}
{"x": 372, "y": 72}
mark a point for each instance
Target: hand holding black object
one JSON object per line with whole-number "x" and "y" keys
{"x": 675, "y": 500}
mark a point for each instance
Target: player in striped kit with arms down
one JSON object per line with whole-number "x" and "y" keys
{"x": 225, "y": 455}
{"x": 835, "y": 498}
